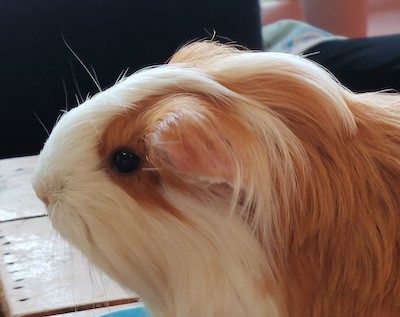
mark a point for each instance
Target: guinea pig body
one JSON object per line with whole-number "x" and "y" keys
{"x": 232, "y": 183}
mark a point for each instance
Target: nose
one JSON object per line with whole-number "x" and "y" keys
{"x": 45, "y": 199}
{"x": 41, "y": 194}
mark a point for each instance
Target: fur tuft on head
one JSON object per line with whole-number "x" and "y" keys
{"x": 257, "y": 186}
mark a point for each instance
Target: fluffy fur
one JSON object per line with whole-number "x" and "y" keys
{"x": 265, "y": 189}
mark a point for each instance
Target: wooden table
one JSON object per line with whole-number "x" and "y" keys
{"x": 41, "y": 274}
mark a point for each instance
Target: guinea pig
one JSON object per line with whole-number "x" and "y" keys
{"x": 233, "y": 183}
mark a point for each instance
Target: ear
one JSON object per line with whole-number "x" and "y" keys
{"x": 189, "y": 142}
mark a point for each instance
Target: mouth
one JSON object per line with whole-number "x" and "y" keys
{"x": 50, "y": 210}
{"x": 71, "y": 226}
{"x": 41, "y": 193}
{"x": 87, "y": 232}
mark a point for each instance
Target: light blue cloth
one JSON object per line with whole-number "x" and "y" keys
{"x": 137, "y": 311}
{"x": 291, "y": 36}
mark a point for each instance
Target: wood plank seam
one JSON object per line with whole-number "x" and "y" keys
{"x": 28, "y": 291}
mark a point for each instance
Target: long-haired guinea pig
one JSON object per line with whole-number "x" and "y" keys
{"x": 233, "y": 183}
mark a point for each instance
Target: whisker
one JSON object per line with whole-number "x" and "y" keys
{"x": 65, "y": 93}
{"x": 125, "y": 74}
{"x": 80, "y": 100}
{"x": 310, "y": 54}
{"x": 82, "y": 63}
{"x": 119, "y": 77}
{"x": 212, "y": 35}
{"x": 41, "y": 123}
{"x": 99, "y": 282}
{"x": 95, "y": 76}
{"x": 122, "y": 76}
{"x": 60, "y": 115}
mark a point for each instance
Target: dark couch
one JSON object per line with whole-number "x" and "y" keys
{"x": 40, "y": 76}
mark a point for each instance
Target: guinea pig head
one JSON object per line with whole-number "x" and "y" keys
{"x": 182, "y": 181}
{"x": 149, "y": 180}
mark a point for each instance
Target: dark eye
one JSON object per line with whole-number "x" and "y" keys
{"x": 124, "y": 161}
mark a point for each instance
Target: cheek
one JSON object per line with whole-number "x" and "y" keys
{"x": 89, "y": 215}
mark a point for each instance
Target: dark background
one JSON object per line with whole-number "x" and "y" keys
{"x": 39, "y": 75}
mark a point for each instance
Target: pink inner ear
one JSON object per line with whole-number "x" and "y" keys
{"x": 191, "y": 146}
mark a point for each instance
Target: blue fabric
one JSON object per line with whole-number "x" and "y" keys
{"x": 291, "y": 36}
{"x": 137, "y": 311}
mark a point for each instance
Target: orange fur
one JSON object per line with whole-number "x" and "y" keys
{"x": 339, "y": 252}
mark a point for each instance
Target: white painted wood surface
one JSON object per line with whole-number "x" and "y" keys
{"x": 40, "y": 273}
{"x": 17, "y": 198}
